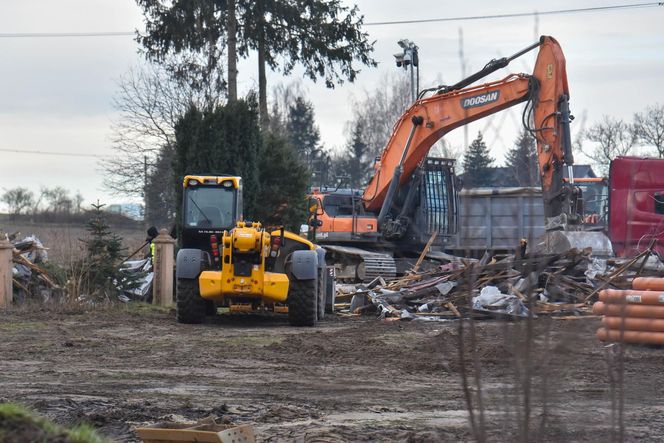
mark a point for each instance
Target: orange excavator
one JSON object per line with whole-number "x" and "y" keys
{"x": 411, "y": 200}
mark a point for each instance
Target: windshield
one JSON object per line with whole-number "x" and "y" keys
{"x": 209, "y": 207}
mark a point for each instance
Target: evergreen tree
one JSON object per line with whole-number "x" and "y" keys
{"x": 477, "y": 164}
{"x": 322, "y": 36}
{"x": 522, "y": 161}
{"x": 227, "y": 140}
{"x": 103, "y": 277}
{"x": 224, "y": 140}
{"x": 283, "y": 181}
{"x": 302, "y": 131}
{"x": 358, "y": 161}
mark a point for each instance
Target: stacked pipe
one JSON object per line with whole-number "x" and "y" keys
{"x": 634, "y": 315}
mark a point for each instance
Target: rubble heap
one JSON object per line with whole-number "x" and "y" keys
{"x": 29, "y": 277}
{"x": 498, "y": 286}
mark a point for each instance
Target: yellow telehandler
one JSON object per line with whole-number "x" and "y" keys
{"x": 227, "y": 261}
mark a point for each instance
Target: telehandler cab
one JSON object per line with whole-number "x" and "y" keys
{"x": 227, "y": 261}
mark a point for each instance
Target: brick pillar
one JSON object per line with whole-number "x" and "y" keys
{"x": 163, "y": 265}
{"x": 6, "y": 265}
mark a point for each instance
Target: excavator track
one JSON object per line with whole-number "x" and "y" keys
{"x": 376, "y": 265}
{"x": 355, "y": 264}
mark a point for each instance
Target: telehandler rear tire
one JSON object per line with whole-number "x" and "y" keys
{"x": 190, "y": 307}
{"x": 303, "y": 303}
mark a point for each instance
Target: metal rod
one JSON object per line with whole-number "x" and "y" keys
{"x": 490, "y": 67}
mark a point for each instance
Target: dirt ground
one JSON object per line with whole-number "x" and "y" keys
{"x": 358, "y": 379}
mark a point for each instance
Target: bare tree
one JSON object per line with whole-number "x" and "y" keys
{"x": 611, "y": 138}
{"x": 649, "y": 127}
{"x": 444, "y": 149}
{"x": 378, "y": 111}
{"x": 283, "y": 97}
{"x": 150, "y": 101}
{"x": 78, "y": 202}
{"x": 58, "y": 200}
{"x": 17, "y": 199}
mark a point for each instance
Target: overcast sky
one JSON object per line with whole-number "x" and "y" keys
{"x": 56, "y": 93}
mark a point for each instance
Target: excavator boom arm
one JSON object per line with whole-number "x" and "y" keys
{"x": 430, "y": 118}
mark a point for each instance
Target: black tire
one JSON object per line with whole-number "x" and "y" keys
{"x": 321, "y": 294}
{"x": 210, "y": 308}
{"x": 190, "y": 307}
{"x": 302, "y": 303}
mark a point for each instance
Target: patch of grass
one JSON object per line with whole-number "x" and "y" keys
{"x": 21, "y": 325}
{"x": 18, "y": 424}
{"x": 85, "y": 434}
{"x": 142, "y": 308}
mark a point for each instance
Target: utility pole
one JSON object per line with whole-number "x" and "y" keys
{"x": 462, "y": 59}
{"x": 145, "y": 189}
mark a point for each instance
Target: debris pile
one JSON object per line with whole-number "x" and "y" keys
{"x": 498, "y": 286}
{"x": 29, "y": 277}
{"x": 143, "y": 272}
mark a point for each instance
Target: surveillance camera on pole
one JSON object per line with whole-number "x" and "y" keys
{"x": 405, "y": 43}
{"x": 399, "y": 59}
{"x": 409, "y": 57}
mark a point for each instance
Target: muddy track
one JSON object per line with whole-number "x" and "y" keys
{"x": 347, "y": 380}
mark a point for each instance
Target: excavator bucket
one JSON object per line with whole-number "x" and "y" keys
{"x": 556, "y": 242}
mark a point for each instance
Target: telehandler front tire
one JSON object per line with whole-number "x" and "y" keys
{"x": 321, "y": 294}
{"x": 303, "y": 303}
{"x": 190, "y": 307}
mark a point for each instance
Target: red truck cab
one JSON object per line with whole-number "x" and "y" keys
{"x": 636, "y": 204}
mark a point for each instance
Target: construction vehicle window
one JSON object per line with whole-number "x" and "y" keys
{"x": 436, "y": 200}
{"x": 659, "y": 203}
{"x": 342, "y": 206}
{"x": 210, "y": 207}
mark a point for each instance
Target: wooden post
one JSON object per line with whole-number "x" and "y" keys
{"x": 162, "y": 283}
{"x": 6, "y": 266}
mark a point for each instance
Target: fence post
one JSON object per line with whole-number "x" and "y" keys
{"x": 162, "y": 283}
{"x": 6, "y": 266}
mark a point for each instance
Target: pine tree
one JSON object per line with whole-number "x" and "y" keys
{"x": 284, "y": 180}
{"x": 358, "y": 161}
{"x": 104, "y": 278}
{"x": 324, "y": 37}
{"x": 522, "y": 161}
{"x": 477, "y": 164}
{"x": 302, "y": 131}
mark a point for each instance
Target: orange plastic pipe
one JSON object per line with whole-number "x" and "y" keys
{"x": 634, "y": 324}
{"x": 632, "y": 297}
{"x": 651, "y": 338}
{"x": 627, "y": 310}
{"x": 648, "y": 283}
